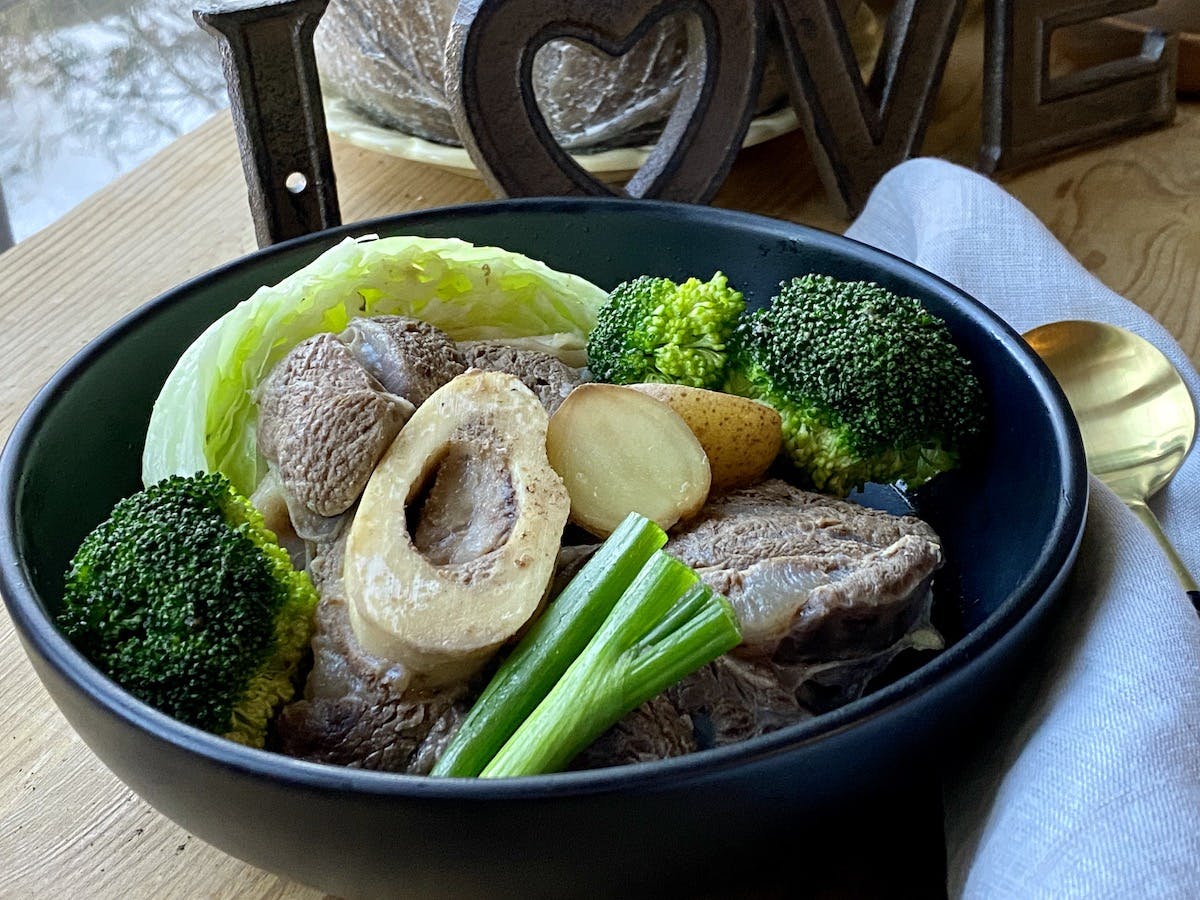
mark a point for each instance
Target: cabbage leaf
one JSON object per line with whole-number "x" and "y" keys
{"x": 204, "y": 418}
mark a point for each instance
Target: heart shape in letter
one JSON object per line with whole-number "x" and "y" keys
{"x": 489, "y": 80}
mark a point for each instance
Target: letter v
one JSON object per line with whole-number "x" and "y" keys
{"x": 857, "y": 132}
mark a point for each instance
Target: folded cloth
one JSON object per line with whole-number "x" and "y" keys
{"x": 1090, "y": 786}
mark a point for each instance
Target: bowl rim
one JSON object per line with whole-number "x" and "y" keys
{"x": 39, "y": 635}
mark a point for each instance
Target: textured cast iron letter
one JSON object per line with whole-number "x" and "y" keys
{"x": 489, "y": 68}
{"x": 271, "y": 72}
{"x": 1028, "y": 115}
{"x": 856, "y": 131}
{"x": 6, "y": 236}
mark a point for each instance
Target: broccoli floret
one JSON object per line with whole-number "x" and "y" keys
{"x": 870, "y": 385}
{"x": 185, "y": 599}
{"x": 655, "y": 330}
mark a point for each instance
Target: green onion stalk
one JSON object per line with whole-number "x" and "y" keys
{"x": 634, "y": 621}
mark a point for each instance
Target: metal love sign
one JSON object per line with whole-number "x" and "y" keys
{"x": 856, "y": 129}
{"x": 489, "y": 81}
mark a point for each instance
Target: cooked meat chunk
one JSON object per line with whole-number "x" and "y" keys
{"x": 324, "y": 422}
{"x": 827, "y": 592}
{"x": 726, "y": 701}
{"x": 548, "y": 377}
{"x": 733, "y": 699}
{"x": 332, "y": 406}
{"x": 655, "y": 730}
{"x": 358, "y": 710}
{"x": 410, "y": 358}
{"x": 810, "y": 577}
{"x": 270, "y": 499}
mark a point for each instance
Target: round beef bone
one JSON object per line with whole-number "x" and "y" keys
{"x": 489, "y": 65}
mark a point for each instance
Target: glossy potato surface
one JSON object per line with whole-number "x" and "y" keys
{"x": 620, "y": 451}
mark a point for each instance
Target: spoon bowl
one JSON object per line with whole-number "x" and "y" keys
{"x": 1135, "y": 414}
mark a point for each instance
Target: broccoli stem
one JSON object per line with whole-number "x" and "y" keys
{"x": 665, "y": 626}
{"x": 550, "y": 646}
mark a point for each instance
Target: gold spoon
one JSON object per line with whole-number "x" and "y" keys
{"x": 1134, "y": 412}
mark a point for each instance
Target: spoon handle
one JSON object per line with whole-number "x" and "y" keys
{"x": 1142, "y": 511}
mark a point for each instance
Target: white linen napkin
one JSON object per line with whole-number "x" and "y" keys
{"x": 1090, "y": 787}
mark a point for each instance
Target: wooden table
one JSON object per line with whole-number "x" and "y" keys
{"x": 68, "y": 828}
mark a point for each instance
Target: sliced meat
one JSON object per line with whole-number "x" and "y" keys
{"x": 811, "y": 577}
{"x": 547, "y": 376}
{"x": 828, "y": 593}
{"x": 410, "y": 358}
{"x": 733, "y": 699}
{"x": 324, "y": 422}
{"x": 655, "y": 730}
{"x": 727, "y": 701}
{"x": 358, "y": 710}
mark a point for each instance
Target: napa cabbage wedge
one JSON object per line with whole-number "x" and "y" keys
{"x": 204, "y": 418}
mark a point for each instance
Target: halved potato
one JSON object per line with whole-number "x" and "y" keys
{"x": 741, "y": 437}
{"x": 620, "y": 451}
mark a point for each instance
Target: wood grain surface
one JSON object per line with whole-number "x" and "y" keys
{"x": 68, "y": 828}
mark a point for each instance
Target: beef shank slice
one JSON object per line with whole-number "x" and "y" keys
{"x": 809, "y": 576}
{"x": 409, "y": 357}
{"x": 827, "y": 593}
{"x": 359, "y": 710}
{"x": 547, "y": 376}
{"x": 324, "y": 422}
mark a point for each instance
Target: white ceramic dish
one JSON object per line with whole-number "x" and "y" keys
{"x": 348, "y": 123}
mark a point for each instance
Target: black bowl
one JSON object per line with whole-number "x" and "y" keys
{"x": 1012, "y": 518}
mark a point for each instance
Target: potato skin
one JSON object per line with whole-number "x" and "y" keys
{"x": 741, "y": 437}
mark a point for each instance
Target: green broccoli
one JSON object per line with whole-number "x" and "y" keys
{"x": 185, "y": 599}
{"x": 655, "y": 330}
{"x": 871, "y": 386}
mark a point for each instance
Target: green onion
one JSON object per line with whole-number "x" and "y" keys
{"x": 550, "y": 646}
{"x": 666, "y": 625}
